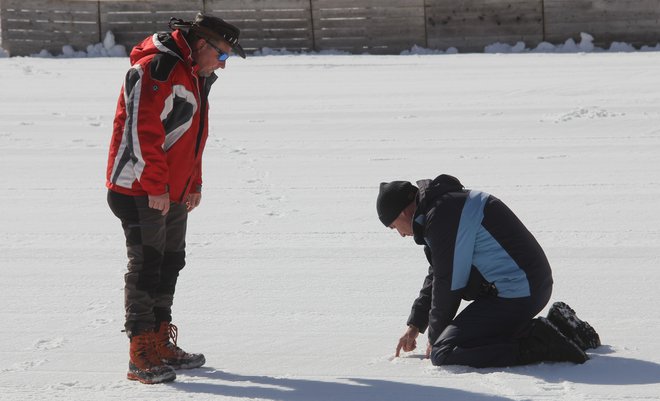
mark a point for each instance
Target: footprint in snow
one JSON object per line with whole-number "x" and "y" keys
{"x": 586, "y": 113}
{"x": 64, "y": 385}
{"x": 24, "y": 366}
{"x": 96, "y": 323}
{"x": 48, "y": 344}
{"x": 240, "y": 151}
{"x": 552, "y": 157}
{"x": 96, "y": 306}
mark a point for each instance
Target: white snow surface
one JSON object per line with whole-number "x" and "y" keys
{"x": 293, "y": 289}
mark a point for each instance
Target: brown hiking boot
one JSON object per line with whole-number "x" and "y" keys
{"x": 170, "y": 354}
{"x": 144, "y": 364}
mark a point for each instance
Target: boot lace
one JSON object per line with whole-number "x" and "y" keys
{"x": 173, "y": 333}
{"x": 146, "y": 349}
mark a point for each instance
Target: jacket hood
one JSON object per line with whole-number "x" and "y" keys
{"x": 441, "y": 185}
{"x": 173, "y": 43}
{"x": 429, "y": 192}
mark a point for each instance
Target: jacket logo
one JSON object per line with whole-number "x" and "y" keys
{"x": 155, "y": 88}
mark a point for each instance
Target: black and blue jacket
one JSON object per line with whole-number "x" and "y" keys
{"x": 476, "y": 246}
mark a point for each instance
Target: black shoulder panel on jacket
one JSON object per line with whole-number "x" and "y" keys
{"x": 162, "y": 65}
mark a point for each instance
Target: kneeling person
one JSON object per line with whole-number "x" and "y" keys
{"x": 479, "y": 251}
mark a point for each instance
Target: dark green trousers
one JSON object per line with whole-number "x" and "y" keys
{"x": 155, "y": 247}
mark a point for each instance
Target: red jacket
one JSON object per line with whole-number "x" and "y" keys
{"x": 160, "y": 126}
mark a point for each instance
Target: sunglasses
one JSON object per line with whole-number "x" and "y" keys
{"x": 222, "y": 56}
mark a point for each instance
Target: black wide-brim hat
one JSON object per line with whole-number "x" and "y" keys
{"x": 209, "y": 27}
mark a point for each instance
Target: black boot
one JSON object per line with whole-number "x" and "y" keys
{"x": 546, "y": 343}
{"x": 581, "y": 332}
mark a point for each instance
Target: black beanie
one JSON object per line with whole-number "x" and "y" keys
{"x": 393, "y": 197}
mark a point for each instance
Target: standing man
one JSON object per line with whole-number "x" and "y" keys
{"x": 479, "y": 251}
{"x": 154, "y": 178}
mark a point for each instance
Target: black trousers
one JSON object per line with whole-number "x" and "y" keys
{"x": 155, "y": 246}
{"x": 487, "y": 332}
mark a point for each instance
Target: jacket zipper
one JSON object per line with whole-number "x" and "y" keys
{"x": 200, "y": 132}
{"x": 202, "y": 117}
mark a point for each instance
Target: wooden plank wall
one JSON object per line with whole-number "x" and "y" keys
{"x": 131, "y": 21}
{"x": 356, "y": 26}
{"x": 263, "y": 23}
{"x": 30, "y": 26}
{"x": 469, "y": 25}
{"x": 373, "y": 26}
{"x": 267, "y": 23}
{"x": 633, "y": 21}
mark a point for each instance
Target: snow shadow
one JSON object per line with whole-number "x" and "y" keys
{"x": 346, "y": 389}
{"x": 600, "y": 370}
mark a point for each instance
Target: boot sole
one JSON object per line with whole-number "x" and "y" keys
{"x": 566, "y": 320}
{"x": 161, "y": 374}
{"x": 189, "y": 365}
{"x": 155, "y": 380}
{"x": 573, "y": 353}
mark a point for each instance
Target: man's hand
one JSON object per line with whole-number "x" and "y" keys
{"x": 193, "y": 200}
{"x": 408, "y": 341}
{"x": 160, "y": 202}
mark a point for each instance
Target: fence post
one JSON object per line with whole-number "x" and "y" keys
{"x": 98, "y": 20}
{"x": 426, "y": 32}
{"x": 543, "y": 38}
{"x": 3, "y": 28}
{"x": 311, "y": 16}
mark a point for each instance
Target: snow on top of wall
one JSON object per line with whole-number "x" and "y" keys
{"x": 108, "y": 48}
{"x": 585, "y": 45}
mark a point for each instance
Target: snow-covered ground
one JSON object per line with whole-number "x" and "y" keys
{"x": 293, "y": 289}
